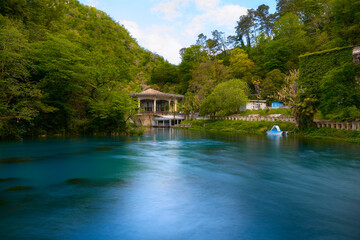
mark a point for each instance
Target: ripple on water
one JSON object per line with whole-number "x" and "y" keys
{"x": 185, "y": 186}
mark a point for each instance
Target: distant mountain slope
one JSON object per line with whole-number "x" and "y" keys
{"x": 66, "y": 67}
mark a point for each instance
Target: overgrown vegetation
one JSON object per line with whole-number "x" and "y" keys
{"x": 260, "y": 128}
{"x": 225, "y": 99}
{"x": 286, "y": 112}
{"x": 328, "y": 78}
{"x": 242, "y": 127}
{"x": 265, "y": 52}
{"x": 332, "y": 134}
{"x": 67, "y": 68}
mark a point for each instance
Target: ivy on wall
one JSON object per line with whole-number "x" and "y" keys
{"x": 313, "y": 68}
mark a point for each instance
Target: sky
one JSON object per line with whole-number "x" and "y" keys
{"x": 166, "y": 26}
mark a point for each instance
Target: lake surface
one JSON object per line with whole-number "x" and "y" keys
{"x": 174, "y": 184}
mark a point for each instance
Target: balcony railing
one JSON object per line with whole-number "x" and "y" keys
{"x": 157, "y": 112}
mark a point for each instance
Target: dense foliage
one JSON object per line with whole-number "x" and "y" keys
{"x": 226, "y": 98}
{"x": 313, "y": 67}
{"x": 67, "y": 68}
{"x": 328, "y": 79}
{"x": 238, "y": 127}
{"x": 340, "y": 93}
{"x": 260, "y": 127}
{"x": 265, "y": 52}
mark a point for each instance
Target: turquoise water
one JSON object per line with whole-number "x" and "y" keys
{"x": 173, "y": 184}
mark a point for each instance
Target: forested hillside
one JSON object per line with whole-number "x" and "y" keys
{"x": 265, "y": 53}
{"x": 66, "y": 68}
{"x": 69, "y": 68}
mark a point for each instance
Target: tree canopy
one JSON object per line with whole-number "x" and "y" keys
{"x": 226, "y": 98}
{"x": 64, "y": 66}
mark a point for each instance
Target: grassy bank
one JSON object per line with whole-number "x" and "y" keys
{"x": 260, "y": 128}
{"x": 286, "y": 112}
{"x": 332, "y": 134}
{"x": 242, "y": 127}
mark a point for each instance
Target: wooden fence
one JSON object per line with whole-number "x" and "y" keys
{"x": 319, "y": 123}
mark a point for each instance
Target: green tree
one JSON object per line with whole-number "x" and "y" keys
{"x": 265, "y": 20}
{"x": 61, "y": 73}
{"x": 204, "y": 78}
{"x": 191, "y": 58}
{"x": 164, "y": 73}
{"x": 227, "y": 98}
{"x": 289, "y": 42}
{"x": 344, "y": 26}
{"x": 272, "y": 84}
{"x": 289, "y": 93}
{"x": 244, "y": 29}
{"x": 20, "y": 98}
{"x": 240, "y": 64}
{"x": 111, "y": 111}
{"x": 340, "y": 93}
{"x": 277, "y": 56}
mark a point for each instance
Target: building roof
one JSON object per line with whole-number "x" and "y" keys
{"x": 152, "y": 92}
{"x": 258, "y": 101}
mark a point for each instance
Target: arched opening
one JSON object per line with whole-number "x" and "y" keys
{"x": 147, "y": 105}
{"x": 162, "y": 106}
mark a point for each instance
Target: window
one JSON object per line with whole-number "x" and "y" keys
{"x": 147, "y": 105}
{"x": 162, "y": 106}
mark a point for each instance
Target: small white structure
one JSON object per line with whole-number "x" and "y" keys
{"x": 256, "y": 104}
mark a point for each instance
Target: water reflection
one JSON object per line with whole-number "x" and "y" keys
{"x": 174, "y": 184}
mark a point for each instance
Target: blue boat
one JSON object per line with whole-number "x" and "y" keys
{"x": 276, "y": 131}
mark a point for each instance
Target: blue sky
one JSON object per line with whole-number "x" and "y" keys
{"x": 166, "y": 26}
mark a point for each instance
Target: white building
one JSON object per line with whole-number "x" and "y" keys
{"x": 256, "y": 104}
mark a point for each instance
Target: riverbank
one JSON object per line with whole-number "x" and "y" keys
{"x": 260, "y": 128}
{"x": 130, "y": 130}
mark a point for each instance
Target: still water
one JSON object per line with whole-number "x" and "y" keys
{"x": 174, "y": 184}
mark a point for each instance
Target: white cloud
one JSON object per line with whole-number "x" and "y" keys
{"x": 170, "y": 9}
{"x": 225, "y": 16}
{"x": 92, "y": 3}
{"x": 206, "y": 4}
{"x": 133, "y": 28}
{"x": 183, "y": 27}
{"x": 156, "y": 39}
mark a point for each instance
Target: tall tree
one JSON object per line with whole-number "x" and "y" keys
{"x": 344, "y": 26}
{"x": 244, "y": 29}
{"x": 20, "y": 98}
{"x": 272, "y": 84}
{"x": 204, "y": 78}
{"x": 264, "y": 19}
{"x": 226, "y": 98}
{"x": 164, "y": 73}
{"x": 240, "y": 64}
{"x": 220, "y": 41}
{"x": 191, "y": 58}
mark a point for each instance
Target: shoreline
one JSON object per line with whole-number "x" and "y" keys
{"x": 260, "y": 128}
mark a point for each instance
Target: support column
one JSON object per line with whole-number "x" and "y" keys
{"x": 139, "y": 103}
{"x": 155, "y": 105}
{"x": 175, "y": 105}
{"x": 169, "y": 105}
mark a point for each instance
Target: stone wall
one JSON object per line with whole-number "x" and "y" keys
{"x": 319, "y": 123}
